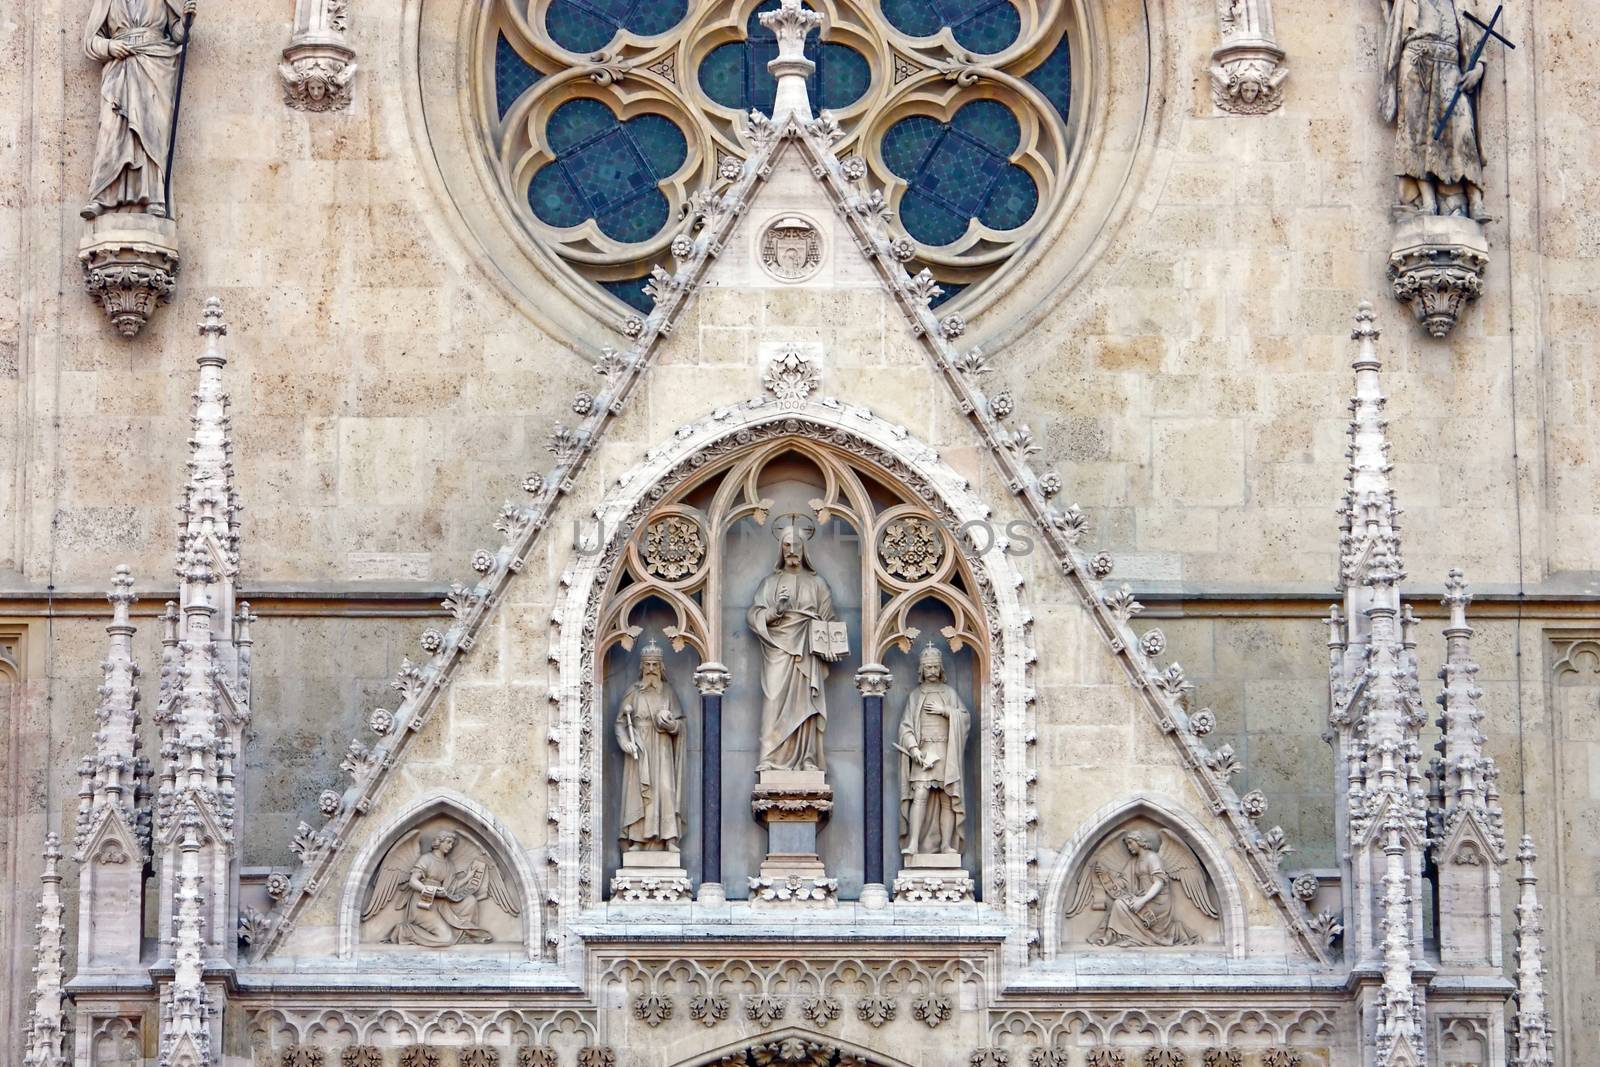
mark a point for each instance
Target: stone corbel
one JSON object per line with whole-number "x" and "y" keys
{"x": 1247, "y": 70}
{"x": 130, "y": 264}
{"x": 1436, "y": 266}
{"x": 319, "y": 65}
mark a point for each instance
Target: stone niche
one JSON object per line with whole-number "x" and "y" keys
{"x": 689, "y": 596}
{"x": 1142, "y": 887}
{"x": 439, "y": 886}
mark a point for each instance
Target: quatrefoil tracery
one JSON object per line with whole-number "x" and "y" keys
{"x": 891, "y": 72}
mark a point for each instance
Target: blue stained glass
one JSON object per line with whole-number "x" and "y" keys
{"x": 589, "y": 25}
{"x": 576, "y": 122}
{"x": 1053, "y": 77}
{"x": 607, "y": 170}
{"x": 991, "y": 124}
{"x": 989, "y": 30}
{"x": 985, "y": 26}
{"x": 631, "y": 292}
{"x": 735, "y": 74}
{"x": 512, "y": 75}
{"x": 959, "y": 171}
{"x": 928, "y": 220}
{"x": 951, "y": 290}
{"x": 1012, "y": 201}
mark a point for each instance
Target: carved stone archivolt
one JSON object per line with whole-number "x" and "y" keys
{"x": 609, "y": 585}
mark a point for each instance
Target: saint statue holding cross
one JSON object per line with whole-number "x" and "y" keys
{"x": 1430, "y": 71}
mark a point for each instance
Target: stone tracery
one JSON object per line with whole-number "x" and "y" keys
{"x": 961, "y": 110}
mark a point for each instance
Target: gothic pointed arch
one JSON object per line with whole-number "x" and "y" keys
{"x": 594, "y": 615}
{"x": 1212, "y": 888}
{"x": 507, "y": 881}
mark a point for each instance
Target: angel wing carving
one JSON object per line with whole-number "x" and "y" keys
{"x": 393, "y": 876}
{"x": 1187, "y": 871}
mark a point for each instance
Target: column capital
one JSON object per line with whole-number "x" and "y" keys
{"x": 874, "y": 680}
{"x": 712, "y": 679}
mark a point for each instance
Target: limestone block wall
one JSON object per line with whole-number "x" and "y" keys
{"x": 1189, "y": 386}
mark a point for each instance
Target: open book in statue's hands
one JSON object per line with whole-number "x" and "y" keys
{"x": 829, "y": 638}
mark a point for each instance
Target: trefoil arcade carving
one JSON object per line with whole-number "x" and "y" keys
{"x": 795, "y": 649}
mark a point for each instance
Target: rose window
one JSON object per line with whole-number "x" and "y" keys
{"x": 608, "y": 117}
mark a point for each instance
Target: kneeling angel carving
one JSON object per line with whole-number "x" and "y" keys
{"x": 1137, "y": 896}
{"x": 441, "y": 897}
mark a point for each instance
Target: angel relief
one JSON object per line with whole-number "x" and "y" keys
{"x": 1143, "y": 888}
{"x": 439, "y": 887}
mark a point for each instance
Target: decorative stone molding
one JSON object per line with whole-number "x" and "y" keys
{"x": 794, "y": 889}
{"x": 319, "y": 65}
{"x": 372, "y": 1031}
{"x": 916, "y": 886}
{"x": 130, "y": 265}
{"x": 1178, "y": 1027}
{"x": 1436, "y": 267}
{"x": 1247, "y": 71}
{"x": 792, "y": 375}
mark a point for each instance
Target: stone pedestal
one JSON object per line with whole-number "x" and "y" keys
{"x": 933, "y": 878}
{"x": 1436, "y": 266}
{"x": 792, "y": 804}
{"x": 650, "y": 877}
{"x": 130, "y": 264}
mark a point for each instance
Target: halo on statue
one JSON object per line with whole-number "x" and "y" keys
{"x": 794, "y": 520}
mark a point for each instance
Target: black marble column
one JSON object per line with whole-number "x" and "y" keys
{"x": 712, "y": 681}
{"x": 873, "y": 681}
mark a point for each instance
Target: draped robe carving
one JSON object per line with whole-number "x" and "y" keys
{"x": 794, "y": 709}
{"x": 649, "y": 730}
{"x": 1425, "y": 53}
{"x": 137, "y": 42}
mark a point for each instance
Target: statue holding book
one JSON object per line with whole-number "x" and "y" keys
{"x": 440, "y": 898}
{"x": 792, "y": 619}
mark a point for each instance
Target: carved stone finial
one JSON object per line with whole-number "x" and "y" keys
{"x": 44, "y": 1043}
{"x": 1531, "y": 1027}
{"x": 791, "y": 23}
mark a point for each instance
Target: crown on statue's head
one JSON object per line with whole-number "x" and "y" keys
{"x": 651, "y": 650}
{"x": 931, "y": 654}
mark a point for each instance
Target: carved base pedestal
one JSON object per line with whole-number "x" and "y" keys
{"x": 317, "y": 72}
{"x": 1436, "y": 266}
{"x": 651, "y": 878}
{"x": 130, "y": 263}
{"x": 1247, "y": 76}
{"x": 792, "y": 804}
{"x": 936, "y": 878}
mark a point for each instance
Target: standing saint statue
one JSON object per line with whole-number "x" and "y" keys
{"x": 794, "y": 658}
{"x": 933, "y": 738}
{"x": 650, "y": 733}
{"x": 1424, "y": 59}
{"x": 137, "y": 42}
